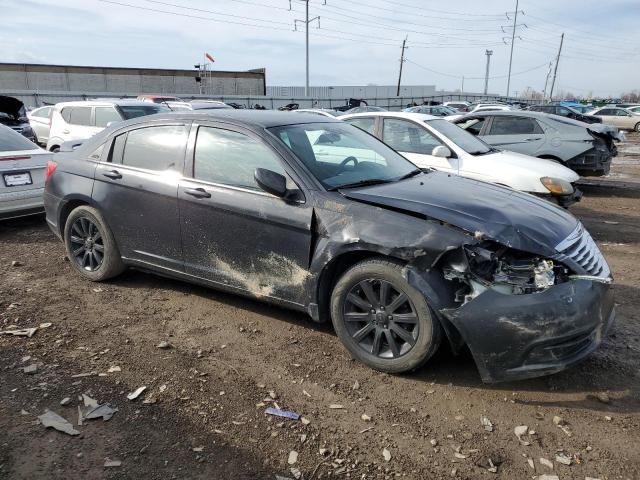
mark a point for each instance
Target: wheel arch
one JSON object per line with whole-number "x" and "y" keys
{"x": 69, "y": 206}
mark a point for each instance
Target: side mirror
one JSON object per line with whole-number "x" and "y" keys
{"x": 271, "y": 182}
{"x": 441, "y": 152}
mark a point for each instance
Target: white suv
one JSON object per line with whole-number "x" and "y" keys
{"x": 80, "y": 120}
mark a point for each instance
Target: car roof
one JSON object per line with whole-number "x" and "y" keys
{"x": 99, "y": 103}
{"x": 408, "y": 115}
{"x": 248, "y": 117}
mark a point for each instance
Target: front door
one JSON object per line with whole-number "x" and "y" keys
{"x": 234, "y": 233}
{"x": 138, "y": 187}
{"x": 520, "y": 134}
{"x": 416, "y": 143}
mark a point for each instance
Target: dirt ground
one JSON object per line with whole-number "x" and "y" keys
{"x": 202, "y": 414}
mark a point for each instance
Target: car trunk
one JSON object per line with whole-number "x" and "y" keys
{"x": 22, "y": 171}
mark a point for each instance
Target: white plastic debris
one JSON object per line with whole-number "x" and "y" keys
{"x": 563, "y": 459}
{"x": 293, "y": 457}
{"x": 365, "y": 417}
{"x": 519, "y": 431}
{"x": 387, "y": 455}
{"x": 486, "y": 423}
{"x": 136, "y": 393}
{"x": 546, "y": 463}
{"x": 53, "y": 420}
{"x": 108, "y": 463}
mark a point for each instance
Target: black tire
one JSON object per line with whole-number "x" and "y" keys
{"x": 375, "y": 272}
{"x": 55, "y": 149}
{"x": 86, "y": 229}
{"x": 637, "y": 127}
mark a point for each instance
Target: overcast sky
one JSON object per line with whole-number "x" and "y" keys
{"x": 358, "y": 41}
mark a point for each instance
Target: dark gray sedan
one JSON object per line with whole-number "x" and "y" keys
{"x": 585, "y": 148}
{"x": 317, "y": 215}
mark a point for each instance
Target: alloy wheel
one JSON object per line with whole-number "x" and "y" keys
{"x": 380, "y": 318}
{"x": 87, "y": 246}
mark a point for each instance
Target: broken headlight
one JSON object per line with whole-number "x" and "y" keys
{"x": 492, "y": 266}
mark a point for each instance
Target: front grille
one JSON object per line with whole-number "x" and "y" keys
{"x": 580, "y": 252}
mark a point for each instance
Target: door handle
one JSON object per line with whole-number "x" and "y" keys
{"x": 66, "y": 132}
{"x": 114, "y": 174}
{"x": 197, "y": 192}
{"x": 530, "y": 139}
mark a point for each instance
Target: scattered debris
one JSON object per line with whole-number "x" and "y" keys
{"x": 24, "y": 332}
{"x": 366, "y": 430}
{"x": 305, "y": 421}
{"x": 305, "y": 393}
{"x": 601, "y": 397}
{"x": 387, "y": 455}
{"x": 97, "y": 290}
{"x": 30, "y": 369}
{"x": 136, "y": 394}
{"x": 365, "y": 417}
{"x": 335, "y": 406}
{"x": 282, "y": 413}
{"x": 297, "y": 474}
{"x": 562, "y": 425}
{"x": 198, "y": 449}
{"x": 65, "y": 401}
{"x": 563, "y": 459}
{"x": 164, "y": 345}
{"x": 547, "y": 477}
{"x": 356, "y": 385}
{"x": 531, "y": 464}
{"x": 108, "y": 463}
{"x": 546, "y": 463}
{"x": 519, "y": 432}
{"x": 114, "y": 369}
{"x": 433, "y": 442}
{"x": 486, "y": 423}
{"x": 611, "y": 222}
{"x": 81, "y": 375}
{"x": 94, "y": 410}
{"x": 16, "y": 263}
{"x": 293, "y": 457}
{"x": 53, "y": 420}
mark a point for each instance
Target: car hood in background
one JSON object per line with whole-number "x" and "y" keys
{"x": 12, "y": 106}
{"x": 528, "y": 165}
{"x": 515, "y": 219}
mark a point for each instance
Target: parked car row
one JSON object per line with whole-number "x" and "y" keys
{"x": 319, "y": 215}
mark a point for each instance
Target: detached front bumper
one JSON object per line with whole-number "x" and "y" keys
{"x": 513, "y": 337}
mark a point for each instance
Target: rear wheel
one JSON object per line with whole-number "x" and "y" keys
{"x": 382, "y": 320}
{"x": 637, "y": 127}
{"x": 90, "y": 245}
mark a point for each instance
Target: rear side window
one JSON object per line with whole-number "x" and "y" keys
{"x": 104, "y": 115}
{"x": 80, "y": 116}
{"x": 405, "y": 136}
{"x": 514, "y": 126}
{"x": 41, "y": 112}
{"x": 367, "y": 124}
{"x": 231, "y": 158}
{"x": 605, "y": 111}
{"x": 156, "y": 148}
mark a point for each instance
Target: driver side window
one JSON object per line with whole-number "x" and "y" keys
{"x": 405, "y": 136}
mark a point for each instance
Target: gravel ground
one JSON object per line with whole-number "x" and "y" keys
{"x": 202, "y": 413}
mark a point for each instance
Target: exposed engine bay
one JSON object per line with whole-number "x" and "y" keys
{"x": 488, "y": 265}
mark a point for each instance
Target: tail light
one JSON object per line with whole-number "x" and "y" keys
{"x": 18, "y": 157}
{"x": 51, "y": 167}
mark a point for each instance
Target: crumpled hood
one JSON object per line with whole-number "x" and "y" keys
{"x": 12, "y": 106}
{"x": 512, "y": 218}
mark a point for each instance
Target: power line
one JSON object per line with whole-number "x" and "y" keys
{"x": 443, "y": 11}
{"x": 475, "y": 78}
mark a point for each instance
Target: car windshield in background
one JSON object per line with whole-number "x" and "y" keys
{"x": 11, "y": 141}
{"x": 134, "y": 111}
{"x": 342, "y": 156}
{"x": 460, "y": 137}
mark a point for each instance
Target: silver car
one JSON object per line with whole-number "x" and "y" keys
{"x": 22, "y": 174}
{"x": 40, "y": 121}
{"x": 585, "y": 148}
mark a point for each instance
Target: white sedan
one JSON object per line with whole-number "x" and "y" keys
{"x": 431, "y": 142}
{"x": 22, "y": 175}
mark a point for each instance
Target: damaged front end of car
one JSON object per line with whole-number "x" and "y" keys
{"x": 523, "y": 315}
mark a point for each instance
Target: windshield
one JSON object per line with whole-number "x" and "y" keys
{"x": 341, "y": 155}
{"x": 460, "y": 137}
{"x": 12, "y": 141}
{"x": 133, "y": 111}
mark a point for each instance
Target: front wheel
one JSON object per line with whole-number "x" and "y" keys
{"x": 382, "y": 320}
{"x": 90, "y": 245}
{"x": 637, "y": 127}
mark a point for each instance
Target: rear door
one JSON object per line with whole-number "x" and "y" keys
{"x": 416, "y": 143}
{"x": 137, "y": 191}
{"x": 233, "y": 232}
{"x": 79, "y": 123}
{"x": 519, "y": 134}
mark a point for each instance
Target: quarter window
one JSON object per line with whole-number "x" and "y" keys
{"x": 405, "y": 136}
{"x": 80, "y": 116}
{"x": 231, "y": 158}
{"x": 104, "y": 115}
{"x": 42, "y": 112}
{"x": 514, "y": 126}
{"x": 155, "y": 148}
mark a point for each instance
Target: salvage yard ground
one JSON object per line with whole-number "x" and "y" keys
{"x": 227, "y": 359}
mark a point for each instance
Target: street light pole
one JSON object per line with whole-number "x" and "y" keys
{"x": 306, "y": 21}
{"x": 488, "y": 53}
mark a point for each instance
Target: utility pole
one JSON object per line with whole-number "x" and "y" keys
{"x": 462, "y": 85}
{"x": 488, "y": 53}
{"x": 306, "y": 21}
{"x": 404, "y": 46}
{"x": 555, "y": 70}
{"x": 513, "y": 38}
{"x": 546, "y": 82}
